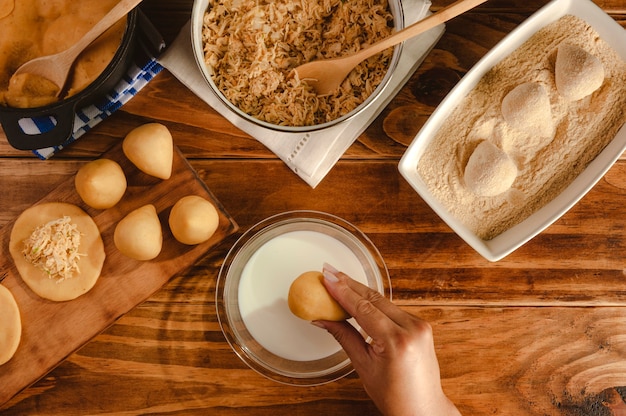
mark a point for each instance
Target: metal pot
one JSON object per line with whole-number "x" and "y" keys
{"x": 64, "y": 111}
{"x": 197, "y": 15}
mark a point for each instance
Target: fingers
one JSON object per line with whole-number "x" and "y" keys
{"x": 372, "y": 311}
{"x": 349, "y": 338}
{"x": 390, "y": 310}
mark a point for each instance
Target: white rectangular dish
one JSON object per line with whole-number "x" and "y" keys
{"x": 508, "y": 241}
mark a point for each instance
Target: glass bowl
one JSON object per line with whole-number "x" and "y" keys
{"x": 253, "y": 284}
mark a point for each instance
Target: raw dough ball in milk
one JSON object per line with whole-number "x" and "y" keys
{"x": 526, "y": 108}
{"x": 489, "y": 170}
{"x": 308, "y": 299}
{"x": 577, "y": 72}
{"x": 264, "y": 291}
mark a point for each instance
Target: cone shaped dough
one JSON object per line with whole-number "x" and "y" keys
{"x": 138, "y": 235}
{"x": 489, "y": 170}
{"x": 577, "y": 72}
{"x": 151, "y": 149}
{"x": 527, "y": 108}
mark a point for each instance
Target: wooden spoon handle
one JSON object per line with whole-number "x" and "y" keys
{"x": 120, "y": 10}
{"x": 445, "y": 14}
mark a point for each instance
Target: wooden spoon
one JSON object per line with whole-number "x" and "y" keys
{"x": 57, "y": 67}
{"x": 326, "y": 75}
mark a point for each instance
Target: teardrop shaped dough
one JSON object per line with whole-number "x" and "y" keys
{"x": 91, "y": 245}
{"x": 577, "y": 72}
{"x": 11, "y": 326}
{"x": 489, "y": 170}
{"x": 526, "y": 108}
{"x": 138, "y": 235}
{"x": 150, "y": 147}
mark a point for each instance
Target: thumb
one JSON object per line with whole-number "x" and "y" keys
{"x": 349, "y": 338}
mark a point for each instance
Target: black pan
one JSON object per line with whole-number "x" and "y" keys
{"x": 65, "y": 110}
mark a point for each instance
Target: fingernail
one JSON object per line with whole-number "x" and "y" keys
{"x": 330, "y": 277}
{"x": 330, "y": 268}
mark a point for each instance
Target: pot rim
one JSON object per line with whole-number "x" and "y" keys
{"x": 198, "y": 10}
{"x": 63, "y": 112}
{"x": 125, "y": 44}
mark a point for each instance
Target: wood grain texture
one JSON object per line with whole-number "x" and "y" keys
{"x": 542, "y": 332}
{"x": 168, "y": 356}
{"x": 53, "y": 330}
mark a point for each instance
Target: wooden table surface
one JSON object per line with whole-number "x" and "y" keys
{"x": 541, "y": 332}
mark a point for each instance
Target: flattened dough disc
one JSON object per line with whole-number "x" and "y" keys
{"x": 91, "y": 244}
{"x": 10, "y": 325}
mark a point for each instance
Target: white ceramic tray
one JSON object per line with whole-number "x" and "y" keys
{"x": 508, "y": 241}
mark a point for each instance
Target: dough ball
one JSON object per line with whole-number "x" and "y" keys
{"x": 577, "y": 72}
{"x": 47, "y": 283}
{"x": 10, "y": 326}
{"x": 193, "y": 220}
{"x": 489, "y": 170}
{"x": 309, "y": 300}
{"x": 100, "y": 183}
{"x": 151, "y": 149}
{"x": 6, "y": 8}
{"x": 526, "y": 108}
{"x": 138, "y": 235}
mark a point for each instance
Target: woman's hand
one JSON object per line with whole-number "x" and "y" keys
{"x": 398, "y": 368}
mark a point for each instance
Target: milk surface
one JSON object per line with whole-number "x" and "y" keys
{"x": 264, "y": 287}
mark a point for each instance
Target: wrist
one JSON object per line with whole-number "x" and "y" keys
{"x": 439, "y": 405}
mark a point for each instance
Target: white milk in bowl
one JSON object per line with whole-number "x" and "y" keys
{"x": 264, "y": 287}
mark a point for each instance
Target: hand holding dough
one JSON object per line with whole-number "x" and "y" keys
{"x": 309, "y": 300}
{"x": 151, "y": 149}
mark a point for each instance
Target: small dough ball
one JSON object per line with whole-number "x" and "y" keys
{"x": 577, "y": 72}
{"x": 489, "y": 170}
{"x": 309, "y": 300}
{"x": 100, "y": 183}
{"x": 150, "y": 147}
{"x": 10, "y": 325}
{"x": 526, "y": 108}
{"x": 193, "y": 220}
{"x": 138, "y": 235}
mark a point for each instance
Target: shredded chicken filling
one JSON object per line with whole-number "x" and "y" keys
{"x": 53, "y": 247}
{"x": 252, "y": 46}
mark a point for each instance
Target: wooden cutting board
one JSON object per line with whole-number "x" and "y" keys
{"x": 51, "y": 331}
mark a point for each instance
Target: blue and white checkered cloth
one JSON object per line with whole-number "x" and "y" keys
{"x": 86, "y": 118}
